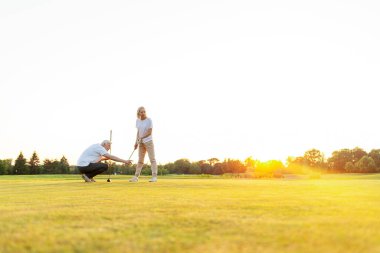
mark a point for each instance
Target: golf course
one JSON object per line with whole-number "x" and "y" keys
{"x": 61, "y": 213}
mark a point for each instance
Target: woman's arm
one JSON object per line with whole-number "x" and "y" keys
{"x": 148, "y": 133}
{"x": 137, "y": 137}
{"x": 137, "y": 140}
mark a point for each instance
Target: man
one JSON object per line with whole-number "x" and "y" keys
{"x": 89, "y": 163}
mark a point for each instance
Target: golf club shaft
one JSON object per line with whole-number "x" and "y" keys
{"x": 131, "y": 154}
{"x": 109, "y": 162}
{"x": 111, "y": 141}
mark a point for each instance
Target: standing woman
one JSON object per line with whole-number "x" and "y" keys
{"x": 144, "y": 142}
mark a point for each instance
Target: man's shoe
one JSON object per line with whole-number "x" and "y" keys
{"x": 86, "y": 179}
{"x": 134, "y": 179}
{"x": 153, "y": 179}
{"x": 92, "y": 180}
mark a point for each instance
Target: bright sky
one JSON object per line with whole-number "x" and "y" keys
{"x": 222, "y": 78}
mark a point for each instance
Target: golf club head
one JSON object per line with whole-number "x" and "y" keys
{"x": 109, "y": 180}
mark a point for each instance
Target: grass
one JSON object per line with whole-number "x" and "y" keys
{"x": 338, "y": 213}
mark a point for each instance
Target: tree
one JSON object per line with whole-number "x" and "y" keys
{"x": 2, "y": 168}
{"x": 63, "y": 166}
{"x": 20, "y": 167}
{"x": 250, "y": 163}
{"x": 195, "y": 168}
{"x": 297, "y": 165}
{"x": 213, "y": 160}
{"x": 47, "y": 167}
{"x": 350, "y": 167}
{"x": 366, "y": 164}
{"x": 339, "y": 159}
{"x": 50, "y": 167}
{"x": 127, "y": 169}
{"x": 170, "y": 167}
{"x": 357, "y": 154}
{"x": 269, "y": 168}
{"x": 299, "y": 160}
{"x": 146, "y": 170}
{"x": 314, "y": 158}
{"x": 5, "y": 166}
{"x": 182, "y": 166}
{"x": 233, "y": 166}
{"x": 218, "y": 169}
{"x": 34, "y": 164}
{"x": 205, "y": 167}
{"x": 162, "y": 170}
{"x": 375, "y": 155}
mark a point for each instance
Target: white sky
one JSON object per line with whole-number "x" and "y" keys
{"x": 226, "y": 79}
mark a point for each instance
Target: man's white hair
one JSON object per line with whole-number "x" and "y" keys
{"x": 105, "y": 142}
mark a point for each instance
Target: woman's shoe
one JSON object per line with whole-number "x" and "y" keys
{"x": 134, "y": 179}
{"x": 153, "y": 179}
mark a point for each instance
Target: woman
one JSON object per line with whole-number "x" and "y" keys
{"x": 144, "y": 142}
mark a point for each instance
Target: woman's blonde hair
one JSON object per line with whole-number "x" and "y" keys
{"x": 138, "y": 111}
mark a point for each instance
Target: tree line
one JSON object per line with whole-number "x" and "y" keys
{"x": 33, "y": 166}
{"x": 341, "y": 161}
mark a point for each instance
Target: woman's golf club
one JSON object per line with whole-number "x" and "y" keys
{"x": 109, "y": 162}
{"x": 131, "y": 154}
{"x": 109, "y": 177}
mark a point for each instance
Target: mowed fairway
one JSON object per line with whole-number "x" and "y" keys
{"x": 189, "y": 214}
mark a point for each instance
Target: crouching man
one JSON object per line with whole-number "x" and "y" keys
{"x": 89, "y": 163}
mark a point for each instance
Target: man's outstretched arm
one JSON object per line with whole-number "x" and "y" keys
{"x": 117, "y": 159}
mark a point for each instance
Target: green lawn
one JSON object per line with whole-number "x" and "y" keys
{"x": 189, "y": 214}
